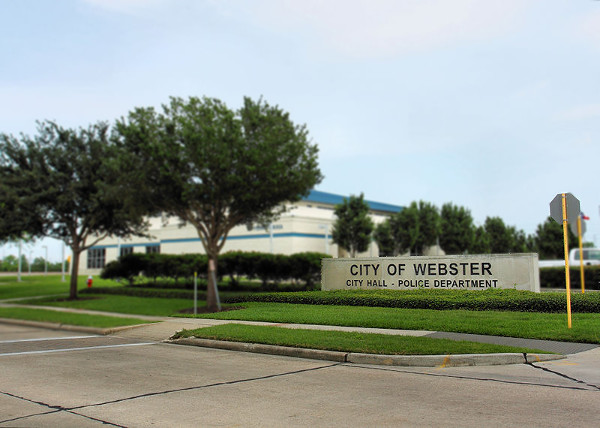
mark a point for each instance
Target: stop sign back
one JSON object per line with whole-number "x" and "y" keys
{"x": 573, "y": 208}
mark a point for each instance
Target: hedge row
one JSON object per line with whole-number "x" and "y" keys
{"x": 554, "y": 277}
{"x": 498, "y": 300}
{"x": 269, "y": 268}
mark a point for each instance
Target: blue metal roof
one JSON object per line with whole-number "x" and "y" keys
{"x": 333, "y": 199}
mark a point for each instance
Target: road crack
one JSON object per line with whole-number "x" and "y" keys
{"x": 211, "y": 385}
{"x": 53, "y": 409}
{"x": 483, "y": 379}
{"x": 557, "y": 373}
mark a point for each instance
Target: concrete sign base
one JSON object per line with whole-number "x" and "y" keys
{"x": 469, "y": 272}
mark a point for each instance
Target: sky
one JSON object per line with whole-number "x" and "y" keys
{"x": 493, "y": 105}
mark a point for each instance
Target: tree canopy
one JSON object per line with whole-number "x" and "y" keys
{"x": 412, "y": 230}
{"x": 65, "y": 184}
{"x": 457, "y": 231}
{"x": 429, "y": 226}
{"x": 549, "y": 239}
{"x": 353, "y": 227}
{"x": 383, "y": 237}
{"x": 404, "y": 227}
{"x": 216, "y": 168}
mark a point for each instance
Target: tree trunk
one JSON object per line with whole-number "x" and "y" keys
{"x": 74, "y": 273}
{"x": 212, "y": 294}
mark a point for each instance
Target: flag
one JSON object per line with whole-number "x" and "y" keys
{"x": 584, "y": 217}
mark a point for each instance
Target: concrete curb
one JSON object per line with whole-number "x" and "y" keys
{"x": 457, "y": 360}
{"x": 386, "y": 360}
{"x": 68, "y": 327}
{"x": 260, "y": 348}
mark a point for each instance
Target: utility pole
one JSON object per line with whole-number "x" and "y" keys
{"x": 20, "y": 248}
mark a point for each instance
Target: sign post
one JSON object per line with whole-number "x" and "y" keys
{"x": 567, "y": 272}
{"x": 580, "y": 233}
{"x": 195, "y": 293}
{"x": 564, "y": 209}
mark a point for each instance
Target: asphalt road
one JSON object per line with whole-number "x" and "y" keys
{"x": 54, "y": 378}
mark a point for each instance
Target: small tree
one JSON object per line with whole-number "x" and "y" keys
{"x": 549, "y": 239}
{"x": 481, "y": 242}
{"x": 383, "y": 236}
{"x": 353, "y": 226}
{"x": 405, "y": 229}
{"x": 496, "y": 237}
{"x": 429, "y": 226}
{"x": 457, "y": 230}
{"x": 216, "y": 168}
{"x": 521, "y": 242}
{"x": 65, "y": 185}
{"x": 501, "y": 239}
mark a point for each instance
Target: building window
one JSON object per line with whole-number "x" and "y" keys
{"x": 96, "y": 258}
{"x": 125, "y": 251}
{"x": 153, "y": 249}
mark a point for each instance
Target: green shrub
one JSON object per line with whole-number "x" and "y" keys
{"x": 554, "y": 277}
{"x": 497, "y": 300}
{"x": 306, "y": 267}
{"x": 500, "y": 300}
{"x": 271, "y": 269}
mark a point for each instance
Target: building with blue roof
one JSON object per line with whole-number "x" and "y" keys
{"x": 305, "y": 226}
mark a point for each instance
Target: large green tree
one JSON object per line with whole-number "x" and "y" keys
{"x": 383, "y": 237}
{"x": 549, "y": 240}
{"x": 481, "y": 241}
{"x": 429, "y": 226}
{"x": 399, "y": 233}
{"x": 501, "y": 239}
{"x": 216, "y": 168}
{"x": 498, "y": 238}
{"x": 414, "y": 228}
{"x": 353, "y": 227}
{"x": 66, "y": 184}
{"x": 20, "y": 188}
{"x": 457, "y": 229}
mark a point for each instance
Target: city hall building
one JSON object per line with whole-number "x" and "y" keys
{"x": 305, "y": 226}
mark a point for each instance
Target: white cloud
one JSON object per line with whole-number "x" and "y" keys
{"x": 383, "y": 28}
{"x": 129, "y": 7}
{"x": 589, "y": 27}
{"x": 355, "y": 29}
{"x": 587, "y": 111}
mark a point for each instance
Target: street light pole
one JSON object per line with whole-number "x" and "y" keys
{"x": 63, "y": 262}
{"x": 20, "y": 245}
{"x": 326, "y": 227}
{"x": 45, "y": 260}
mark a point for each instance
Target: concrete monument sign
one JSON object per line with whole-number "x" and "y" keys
{"x": 470, "y": 272}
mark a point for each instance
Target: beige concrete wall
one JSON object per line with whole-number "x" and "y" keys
{"x": 470, "y": 272}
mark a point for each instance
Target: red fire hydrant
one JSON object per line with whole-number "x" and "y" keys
{"x": 89, "y": 281}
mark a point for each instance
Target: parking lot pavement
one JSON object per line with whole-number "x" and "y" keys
{"x": 15, "y": 331}
{"x": 157, "y": 384}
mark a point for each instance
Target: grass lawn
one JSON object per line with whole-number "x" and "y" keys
{"x": 120, "y": 304}
{"x": 67, "y": 318}
{"x": 43, "y": 285}
{"x": 346, "y": 341}
{"x": 549, "y": 326}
